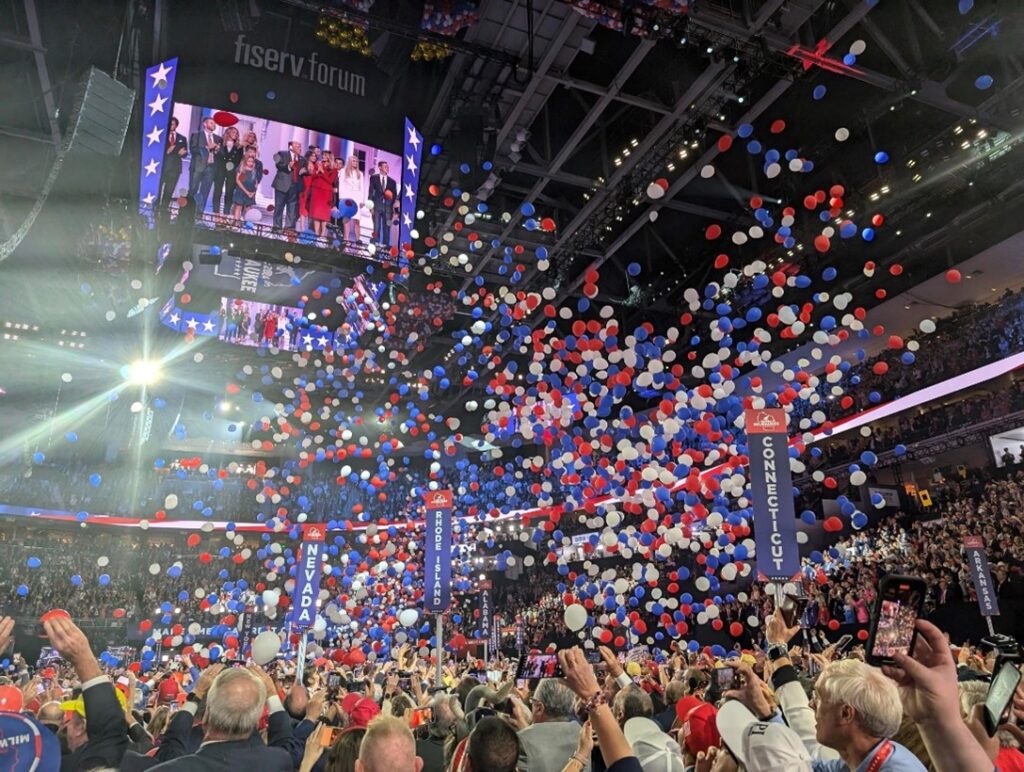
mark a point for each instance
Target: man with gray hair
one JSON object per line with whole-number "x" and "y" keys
{"x": 231, "y": 742}
{"x": 440, "y": 727}
{"x": 551, "y": 740}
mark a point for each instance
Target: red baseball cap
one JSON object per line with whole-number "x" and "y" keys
{"x": 168, "y": 690}
{"x": 360, "y": 710}
{"x": 699, "y": 730}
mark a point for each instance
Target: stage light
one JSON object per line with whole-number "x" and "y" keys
{"x": 225, "y": 406}
{"x": 144, "y": 372}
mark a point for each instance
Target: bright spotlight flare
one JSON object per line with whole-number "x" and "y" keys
{"x": 143, "y": 372}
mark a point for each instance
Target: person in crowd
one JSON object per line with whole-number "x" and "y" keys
{"x": 175, "y": 150}
{"x": 388, "y": 746}
{"x": 231, "y": 716}
{"x": 203, "y": 146}
{"x": 551, "y": 737}
{"x": 226, "y": 163}
{"x": 384, "y": 197}
{"x": 444, "y": 713}
{"x": 287, "y": 185}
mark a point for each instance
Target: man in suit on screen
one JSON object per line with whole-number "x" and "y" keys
{"x": 384, "y": 195}
{"x": 287, "y": 184}
{"x": 204, "y": 145}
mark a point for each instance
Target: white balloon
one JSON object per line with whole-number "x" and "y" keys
{"x": 265, "y": 647}
{"x": 575, "y": 617}
{"x": 408, "y": 617}
{"x": 842, "y": 134}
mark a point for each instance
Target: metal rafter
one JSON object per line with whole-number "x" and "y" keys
{"x": 924, "y": 90}
{"x": 45, "y": 86}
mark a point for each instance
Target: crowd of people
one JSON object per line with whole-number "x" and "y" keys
{"x": 783, "y": 708}
{"x": 966, "y": 339}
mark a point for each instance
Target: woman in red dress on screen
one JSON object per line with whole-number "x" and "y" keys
{"x": 306, "y": 174}
{"x": 322, "y": 194}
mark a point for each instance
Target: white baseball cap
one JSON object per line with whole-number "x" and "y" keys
{"x": 654, "y": 748}
{"x": 760, "y": 746}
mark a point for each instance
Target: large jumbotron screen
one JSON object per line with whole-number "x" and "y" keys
{"x": 301, "y": 184}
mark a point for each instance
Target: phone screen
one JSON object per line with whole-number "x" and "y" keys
{"x": 537, "y": 666}
{"x": 726, "y": 678}
{"x": 892, "y": 625}
{"x": 333, "y": 679}
{"x": 999, "y": 695}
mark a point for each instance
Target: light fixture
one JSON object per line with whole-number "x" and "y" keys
{"x": 144, "y": 372}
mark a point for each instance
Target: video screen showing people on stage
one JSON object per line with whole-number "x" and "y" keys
{"x": 279, "y": 181}
{"x": 261, "y": 325}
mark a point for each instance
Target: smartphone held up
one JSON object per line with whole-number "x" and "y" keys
{"x": 894, "y": 618}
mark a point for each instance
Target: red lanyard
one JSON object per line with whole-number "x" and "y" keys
{"x": 881, "y": 756}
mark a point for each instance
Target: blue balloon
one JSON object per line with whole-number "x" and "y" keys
{"x": 819, "y": 92}
{"x": 22, "y": 590}
{"x": 38, "y": 457}
{"x": 881, "y": 157}
{"x": 95, "y": 480}
{"x": 984, "y": 82}
{"x": 633, "y": 269}
{"x": 33, "y": 562}
{"x": 271, "y": 95}
{"x": 76, "y": 580}
{"x": 435, "y": 149}
{"x": 965, "y": 6}
{"x": 71, "y": 437}
{"x": 104, "y": 580}
{"x": 527, "y": 209}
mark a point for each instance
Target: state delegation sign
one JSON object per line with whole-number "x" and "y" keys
{"x": 307, "y": 575}
{"x": 771, "y": 488}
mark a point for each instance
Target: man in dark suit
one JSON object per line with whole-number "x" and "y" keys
{"x": 287, "y": 183}
{"x": 203, "y": 145}
{"x": 384, "y": 195}
{"x": 175, "y": 149}
{"x": 104, "y": 740}
{"x": 231, "y": 739}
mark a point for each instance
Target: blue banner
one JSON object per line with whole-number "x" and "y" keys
{"x": 412, "y": 154}
{"x": 156, "y": 115}
{"x": 771, "y": 491}
{"x": 437, "y": 565}
{"x": 486, "y": 614}
{"x": 984, "y": 588}
{"x": 307, "y": 576}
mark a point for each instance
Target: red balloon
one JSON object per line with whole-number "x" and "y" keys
{"x": 833, "y": 524}
{"x": 822, "y": 244}
{"x": 724, "y": 143}
{"x": 225, "y": 119}
{"x": 862, "y": 635}
{"x": 778, "y": 126}
{"x": 713, "y": 232}
{"x": 233, "y": 97}
{"x": 833, "y": 624}
{"x": 736, "y": 629}
{"x": 57, "y": 613}
{"x": 952, "y": 275}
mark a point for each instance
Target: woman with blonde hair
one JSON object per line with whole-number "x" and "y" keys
{"x": 352, "y": 185}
